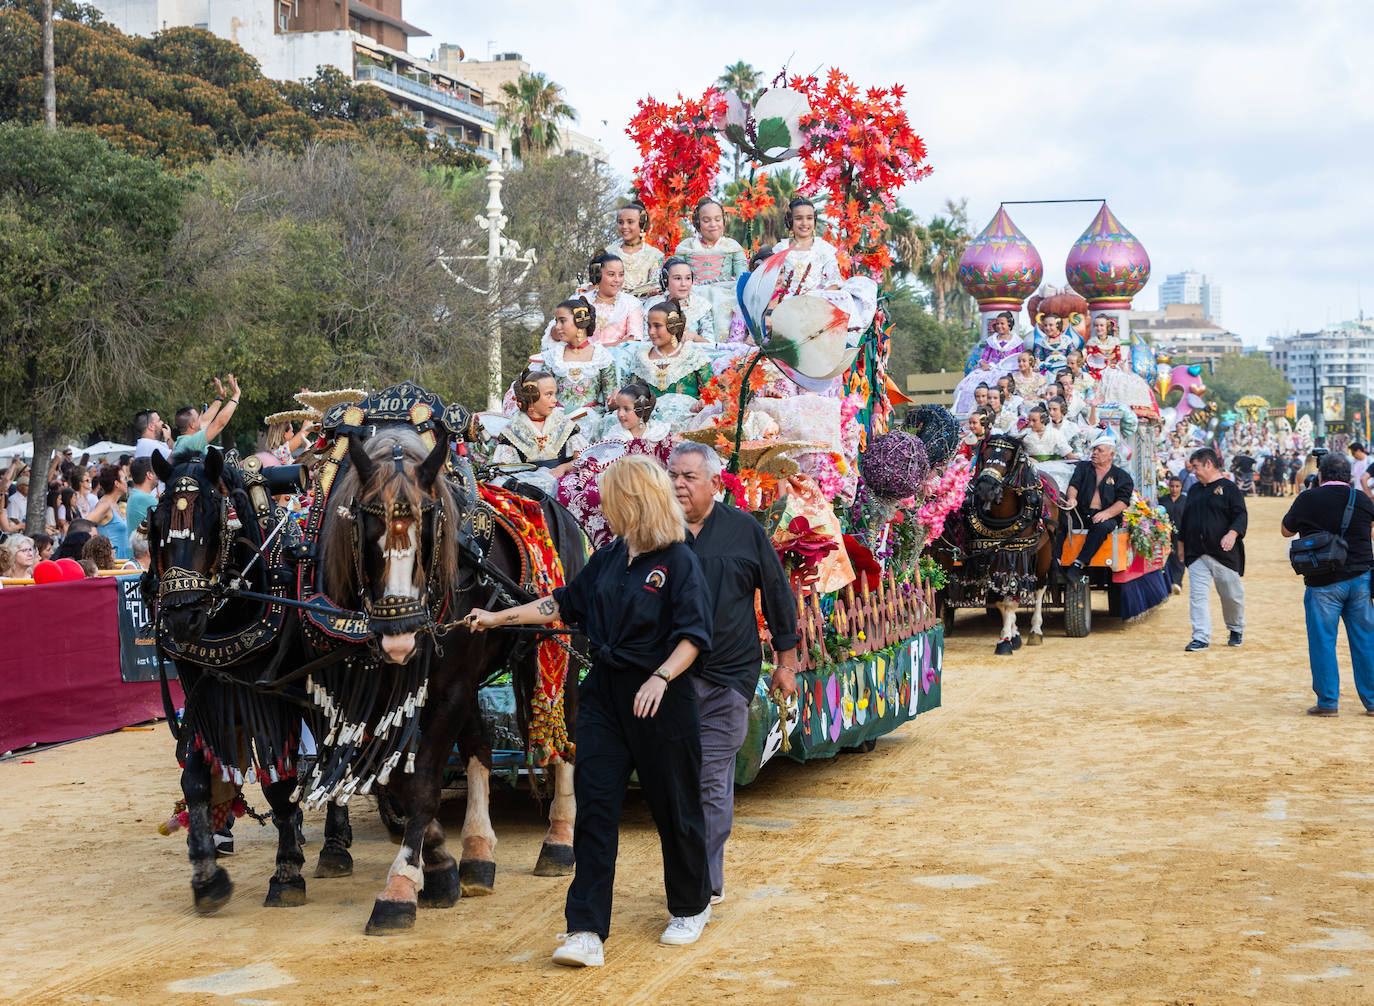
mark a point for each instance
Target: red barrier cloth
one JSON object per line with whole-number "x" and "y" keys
{"x": 59, "y": 667}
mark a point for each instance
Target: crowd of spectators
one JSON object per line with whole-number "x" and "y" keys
{"x": 92, "y": 510}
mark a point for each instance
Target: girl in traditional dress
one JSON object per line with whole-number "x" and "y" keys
{"x": 540, "y": 434}
{"x": 1103, "y": 348}
{"x": 678, "y": 278}
{"x": 642, "y": 261}
{"x": 676, "y": 370}
{"x": 634, "y": 410}
{"x": 619, "y": 317}
{"x": 635, "y": 433}
{"x": 1028, "y": 382}
{"x": 1042, "y": 441}
{"x": 717, "y": 262}
{"x": 584, "y": 371}
{"x": 812, "y": 263}
{"x": 997, "y": 358}
{"x": 1053, "y": 344}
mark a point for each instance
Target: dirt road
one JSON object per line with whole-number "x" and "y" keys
{"x": 1105, "y": 820}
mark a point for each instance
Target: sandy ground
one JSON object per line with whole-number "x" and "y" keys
{"x": 1096, "y": 821}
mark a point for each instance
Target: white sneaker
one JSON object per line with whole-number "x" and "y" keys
{"x": 685, "y": 929}
{"x": 716, "y": 899}
{"x": 580, "y": 950}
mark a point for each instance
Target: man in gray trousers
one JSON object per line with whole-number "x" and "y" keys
{"x": 737, "y": 558}
{"x": 1212, "y": 530}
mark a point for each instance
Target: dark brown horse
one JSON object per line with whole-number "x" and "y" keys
{"x": 389, "y": 547}
{"x": 232, "y": 731}
{"x": 1009, "y": 519}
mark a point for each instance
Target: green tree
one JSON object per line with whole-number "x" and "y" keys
{"x": 87, "y": 284}
{"x": 324, "y": 270}
{"x": 1236, "y": 375}
{"x": 185, "y": 94}
{"x": 531, "y": 109}
{"x": 743, "y": 80}
{"x": 945, "y": 239}
{"x": 921, "y": 344}
{"x": 905, "y": 238}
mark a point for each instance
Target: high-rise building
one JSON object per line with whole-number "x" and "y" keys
{"x": 1189, "y": 287}
{"x": 1339, "y": 355}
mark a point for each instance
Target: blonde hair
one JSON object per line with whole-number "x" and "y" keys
{"x": 638, "y": 503}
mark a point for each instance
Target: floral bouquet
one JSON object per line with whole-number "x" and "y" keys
{"x": 1148, "y": 528}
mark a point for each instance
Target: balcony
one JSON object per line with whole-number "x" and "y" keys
{"x": 389, "y": 79}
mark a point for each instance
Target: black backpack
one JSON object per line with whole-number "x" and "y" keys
{"x": 1322, "y": 552}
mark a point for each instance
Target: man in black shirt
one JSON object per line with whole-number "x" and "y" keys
{"x": 1173, "y": 502}
{"x": 1342, "y": 596}
{"x": 1098, "y": 491}
{"x": 1214, "y": 522}
{"x": 737, "y": 559}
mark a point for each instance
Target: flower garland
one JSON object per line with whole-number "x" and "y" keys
{"x": 859, "y": 150}
{"x": 944, "y": 494}
{"x": 681, "y": 159}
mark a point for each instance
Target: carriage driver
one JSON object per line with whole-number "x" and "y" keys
{"x": 1098, "y": 491}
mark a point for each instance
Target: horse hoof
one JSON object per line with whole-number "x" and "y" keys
{"x": 477, "y": 877}
{"x": 334, "y": 863}
{"x": 1004, "y": 648}
{"x": 1035, "y": 639}
{"x": 555, "y": 861}
{"x": 390, "y": 917}
{"x": 442, "y": 889}
{"x": 1016, "y": 642}
{"x": 213, "y": 894}
{"x": 285, "y": 893}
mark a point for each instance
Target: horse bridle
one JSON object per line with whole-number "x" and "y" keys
{"x": 178, "y": 587}
{"x": 391, "y": 615}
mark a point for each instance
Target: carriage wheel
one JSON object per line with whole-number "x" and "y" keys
{"x": 1078, "y": 610}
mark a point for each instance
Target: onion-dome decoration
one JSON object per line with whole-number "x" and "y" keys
{"x": 1000, "y": 268}
{"x": 1107, "y": 264}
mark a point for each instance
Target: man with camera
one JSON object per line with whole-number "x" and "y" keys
{"x": 1333, "y": 553}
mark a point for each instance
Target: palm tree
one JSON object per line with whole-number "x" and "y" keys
{"x": 531, "y": 109}
{"x": 945, "y": 242}
{"x": 743, "y": 79}
{"x": 906, "y": 241}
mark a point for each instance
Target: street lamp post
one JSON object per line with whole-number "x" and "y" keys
{"x": 494, "y": 223}
{"x": 499, "y": 249}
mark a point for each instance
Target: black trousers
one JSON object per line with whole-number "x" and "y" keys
{"x": 665, "y": 749}
{"x": 1176, "y": 567}
{"x": 1097, "y": 534}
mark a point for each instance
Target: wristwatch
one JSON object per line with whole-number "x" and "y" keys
{"x": 662, "y": 672}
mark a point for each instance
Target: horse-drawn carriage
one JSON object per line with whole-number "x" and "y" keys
{"x": 1014, "y": 539}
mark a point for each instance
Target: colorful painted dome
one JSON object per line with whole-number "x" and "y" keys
{"x": 1107, "y": 265}
{"x": 1000, "y": 268}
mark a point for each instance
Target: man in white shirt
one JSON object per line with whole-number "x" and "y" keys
{"x": 151, "y": 434}
{"x": 17, "y": 509}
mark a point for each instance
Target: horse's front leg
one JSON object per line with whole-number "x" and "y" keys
{"x": 556, "y": 855}
{"x": 1010, "y": 640}
{"x": 287, "y": 887}
{"x": 477, "y": 869}
{"x": 210, "y": 884}
{"x": 394, "y": 909}
{"x": 335, "y": 859}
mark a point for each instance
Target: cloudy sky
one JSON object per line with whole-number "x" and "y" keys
{"x": 1235, "y": 138}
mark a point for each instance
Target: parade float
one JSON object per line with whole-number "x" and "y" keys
{"x": 1105, "y": 268}
{"x": 800, "y": 407}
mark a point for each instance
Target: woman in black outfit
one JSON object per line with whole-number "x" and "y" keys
{"x": 642, "y": 603}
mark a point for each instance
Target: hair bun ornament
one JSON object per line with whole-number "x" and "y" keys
{"x": 895, "y": 465}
